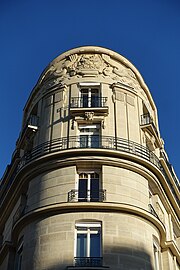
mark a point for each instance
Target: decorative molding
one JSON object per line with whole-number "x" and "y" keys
{"x": 89, "y": 116}
{"x": 88, "y": 65}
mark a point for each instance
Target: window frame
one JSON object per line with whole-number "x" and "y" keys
{"x": 88, "y": 225}
{"x": 90, "y": 131}
{"x": 156, "y": 255}
{"x": 89, "y": 87}
{"x": 19, "y": 255}
{"x": 89, "y": 179}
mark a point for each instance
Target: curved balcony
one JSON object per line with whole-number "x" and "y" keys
{"x": 84, "y": 142}
{"x": 92, "y": 142}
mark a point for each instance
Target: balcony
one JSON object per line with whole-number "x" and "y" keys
{"x": 74, "y": 142}
{"x": 152, "y": 211}
{"x": 89, "y": 196}
{"x": 79, "y": 105}
{"x": 30, "y": 126}
{"x": 148, "y": 123}
{"x": 88, "y": 261}
{"x": 92, "y": 142}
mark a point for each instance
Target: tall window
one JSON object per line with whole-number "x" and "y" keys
{"x": 88, "y": 244}
{"x": 89, "y": 97}
{"x": 88, "y": 187}
{"x": 89, "y": 136}
{"x": 19, "y": 253}
{"x": 156, "y": 251}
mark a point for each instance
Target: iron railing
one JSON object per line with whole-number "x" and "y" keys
{"x": 88, "y": 102}
{"x": 146, "y": 119}
{"x": 91, "y": 141}
{"x": 88, "y": 261}
{"x": 88, "y": 196}
{"x": 171, "y": 170}
{"x": 152, "y": 211}
{"x": 31, "y": 123}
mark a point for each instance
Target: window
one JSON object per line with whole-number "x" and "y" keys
{"x": 88, "y": 244}
{"x": 19, "y": 253}
{"x": 156, "y": 251}
{"x": 89, "y": 97}
{"x": 88, "y": 187}
{"x": 89, "y": 136}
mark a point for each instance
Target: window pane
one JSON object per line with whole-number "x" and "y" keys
{"x": 84, "y": 141}
{"x": 84, "y": 98}
{"x": 82, "y": 192}
{"x": 83, "y": 176}
{"x": 94, "y": 91}
{"x": 81, "y": 245}
{"x": 94, "y": 101}
{"x": 84, "y": 91}
{"x": 94, "y": 140}
{"x": 94, "y": 190}
{"x": 95, "y": 245}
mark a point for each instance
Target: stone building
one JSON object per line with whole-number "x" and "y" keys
{"x": 89, "y": 185}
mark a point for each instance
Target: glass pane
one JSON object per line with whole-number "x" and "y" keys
{"x": 95, "y": 92}
{"x": 94, "y": 190}
{"x": 95, "y": 245}
{"x": 84, "y": 91}
{"x": 83, "y": 175}
{"x": 81, "y": 245}
{"x": 82, "y": 192}
{"x": 94, "y": 140}
{"x": 84, "y": 98}
{"x": 95, "y": 101}
{"x": 84, "y": 141}
{"x": 94, "y": 175}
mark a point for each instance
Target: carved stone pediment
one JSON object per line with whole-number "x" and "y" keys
{"x": 88, "y": 65}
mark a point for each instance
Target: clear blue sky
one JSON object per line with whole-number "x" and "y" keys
{"x": 34, "y": 32}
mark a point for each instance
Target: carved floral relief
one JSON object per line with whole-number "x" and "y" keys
{"x": 85, "y": 65}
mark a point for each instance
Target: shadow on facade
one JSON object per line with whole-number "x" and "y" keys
{"x": 114, "y": 258}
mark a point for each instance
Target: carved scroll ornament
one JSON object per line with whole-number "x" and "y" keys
{"x": 88, "y": 65}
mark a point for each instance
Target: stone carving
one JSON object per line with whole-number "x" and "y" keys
{"x": 119, "y": 72}
{"x": 89, "y": 116}
{"x": 103, "y": 124}
{"x": 88, "y": 65}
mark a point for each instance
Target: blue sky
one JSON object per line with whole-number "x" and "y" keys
{"x": 34, "y": 32}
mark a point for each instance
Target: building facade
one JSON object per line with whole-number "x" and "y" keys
{"x": 90, "y": 185}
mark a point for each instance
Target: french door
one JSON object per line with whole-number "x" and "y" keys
{"x": 89, "y": 97}
{"x": 88, "y": 189}
{"x": 89, "y": 136}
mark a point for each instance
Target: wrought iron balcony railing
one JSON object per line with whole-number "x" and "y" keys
{"x": 88, "y": 261}
{"x": 146, "y": 119}
{"x": 152, "y": 211}
{"x": 88, "y": 196}
{"x": 91, "y": 141}
{"x": 75, "y": 142}
{"x": 88, "y": 102}
{"x": 30, "y": 125}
